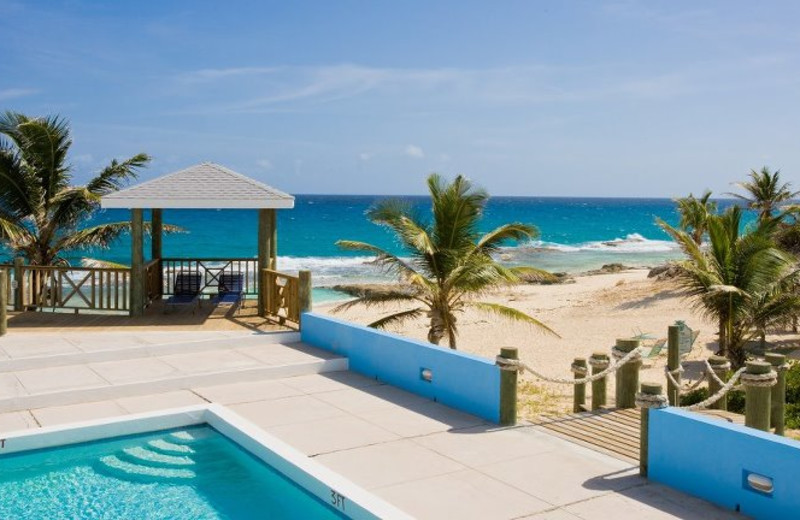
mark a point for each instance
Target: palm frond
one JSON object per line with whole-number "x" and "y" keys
{"x": 514, "y": 232}
{"x": 396, "y": 318}
{"x": 376, "y": 298}
{"x": 117, "y": 174}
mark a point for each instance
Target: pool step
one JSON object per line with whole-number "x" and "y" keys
{"x": 142, "y": 455}
{"x": 188, "y": 437}
{"x": 114, "y": 466}
{"x": 169, "y": 448}
{"x": 149, "y": 463}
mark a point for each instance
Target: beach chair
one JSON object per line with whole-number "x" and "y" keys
{"x": 688, "y": 337}
{"x": 231, "y": 289}
{"x": 186, "y": 291}
{"x": 656, "y": 348}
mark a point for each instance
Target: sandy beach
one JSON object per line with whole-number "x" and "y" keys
{"x": 588, "y": 315}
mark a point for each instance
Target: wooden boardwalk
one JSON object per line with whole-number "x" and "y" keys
{"x": 608, "y": 430}
{"x": 614, "y": 431}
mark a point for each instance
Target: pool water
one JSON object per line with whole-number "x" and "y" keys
{"x": 191, "y": 473}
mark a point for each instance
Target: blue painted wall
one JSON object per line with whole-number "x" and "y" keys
{"x": 461, "y": 381}
{"x": 710, "y": 458}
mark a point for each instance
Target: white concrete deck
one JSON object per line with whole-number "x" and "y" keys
{"x": 425, "y": 458}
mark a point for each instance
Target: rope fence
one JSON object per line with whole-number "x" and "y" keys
{"x": 621, "y": 358}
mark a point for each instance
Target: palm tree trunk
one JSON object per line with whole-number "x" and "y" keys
{"x": 437, "y": 328}
{"x": 723, "y": 339}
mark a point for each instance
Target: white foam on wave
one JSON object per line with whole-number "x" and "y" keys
{"x": 633, "y": 243}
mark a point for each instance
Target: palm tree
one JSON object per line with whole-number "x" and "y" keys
{"x": 450, "y": 261}
{"x": 694, "y": 214}
{"x": 741, "y": 280}
{"x": 40, "y": 211}
{"x": 765, "y": 193}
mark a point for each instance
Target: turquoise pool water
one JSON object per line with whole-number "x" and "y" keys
{"x": 192, "y": 473}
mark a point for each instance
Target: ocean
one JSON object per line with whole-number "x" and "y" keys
{"x": 577, "y": 234}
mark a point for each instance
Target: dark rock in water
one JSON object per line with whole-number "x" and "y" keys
{"x": 550, "y": 279}
{"x": 360, "y": 289}
{"x": 664, "y": 272}
{"x": 610, "y": 268}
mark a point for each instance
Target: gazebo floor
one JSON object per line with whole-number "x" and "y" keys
{"x": 207, "y": 317}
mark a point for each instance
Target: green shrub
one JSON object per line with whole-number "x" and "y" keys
{"x": 736, "y": 397}
{"x": 793, "y": 416}
{"x": 695, "y": 396}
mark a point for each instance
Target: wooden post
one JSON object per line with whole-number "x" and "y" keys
{"x": 579, "y": 396}
{"x": 673, "y": 363}
{"x": 777, "y": 417}
{"x": 627, "y": 376}
{"x": 3, "y": 301}
{"x": 508, "y": 389}
{"x": 264, "y": 248}
{"x": 273, "y": 239}
{"x": 599, "y": 361}
{"x": 644, "y": 426}
{"x": 757, "y": 398}
{"x": 19, "y": 279}
{"x": 304, "y": 293}
{"x": 157, "y": 231}
{"x": 720, "y": 365}
{"x": 137, "y": 263}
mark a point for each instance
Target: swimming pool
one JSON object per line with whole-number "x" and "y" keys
{"x": 203, "y": 466}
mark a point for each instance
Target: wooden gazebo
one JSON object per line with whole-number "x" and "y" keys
{"x": 203, "y": 186}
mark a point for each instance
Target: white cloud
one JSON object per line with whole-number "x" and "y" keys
{"x": 265, "y": 163}
{"x": 414, "y": 151}
{"x": 12, "y": 93}
{"x": 364, "y": 156}
{"x": 202, "y": 75}
{"x": 267, "y": 89}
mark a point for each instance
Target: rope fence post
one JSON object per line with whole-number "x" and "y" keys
{"x": 627, "y": 375}
{"x": 651, "y": 396}
{"x": 720, "y": 367}
{"x": 580, "y": 370}
{"x": 674, "y": 364}
{"x": 508, "y": 388}
{"x": 777, "y": 417}
{"x": 599, "y": 361}
{"x": 758, "y": 380}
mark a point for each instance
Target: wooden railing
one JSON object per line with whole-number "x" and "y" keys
{"x": 211, "y": 269}
{"x": 281, "y": 293}
{"x": 9, "y": 269}
{"x": 152, "y": 280}
{"x": 75, "y": 287}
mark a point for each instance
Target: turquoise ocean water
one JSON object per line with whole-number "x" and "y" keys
{"x": 577, "y": 234}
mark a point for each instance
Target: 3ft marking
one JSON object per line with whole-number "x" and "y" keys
{"x": 338, "y": 500}
{"x": 2, "y": 443}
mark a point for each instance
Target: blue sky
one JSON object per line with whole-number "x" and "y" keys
{"x": 581, "y": 98}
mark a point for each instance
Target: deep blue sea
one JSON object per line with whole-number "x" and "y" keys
{"x": 577, "y": 234}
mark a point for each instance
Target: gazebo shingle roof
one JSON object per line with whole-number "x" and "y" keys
{"x": 202, "y": 186}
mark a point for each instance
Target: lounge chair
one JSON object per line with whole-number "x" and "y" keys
{"x": 656, "y": 349}
{"x": 231, "y": 289}
{"x": 186, "y": 291}
{"x": 688, "y": 340}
